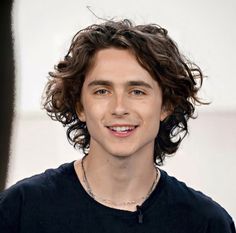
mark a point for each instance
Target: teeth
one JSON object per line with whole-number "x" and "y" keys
{"x": 122, "y": 128}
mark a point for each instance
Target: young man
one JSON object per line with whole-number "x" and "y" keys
{"x": 125, "y": 93}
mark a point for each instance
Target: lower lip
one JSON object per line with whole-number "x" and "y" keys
{"x": 122, "y": 134}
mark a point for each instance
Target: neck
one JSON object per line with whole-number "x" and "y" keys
{"x": 120, "y": 179}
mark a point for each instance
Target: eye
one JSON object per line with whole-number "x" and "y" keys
{"x": 137, "y": 92}
{"x": 101, "y": 92}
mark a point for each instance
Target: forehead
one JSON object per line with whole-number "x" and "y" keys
{"x": 118, "y": 66}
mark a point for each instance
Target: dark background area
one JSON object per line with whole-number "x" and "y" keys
{"x": 6, "y": 88}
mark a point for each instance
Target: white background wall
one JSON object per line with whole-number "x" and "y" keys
{"x": 204, "y": 31}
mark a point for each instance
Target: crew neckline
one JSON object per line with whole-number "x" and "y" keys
{"x": 146, "y": 205}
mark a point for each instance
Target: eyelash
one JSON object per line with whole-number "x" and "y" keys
{"x": 99, "y": 92}
{"x": 138, "y": 91}
{"x": 135, "y": 92}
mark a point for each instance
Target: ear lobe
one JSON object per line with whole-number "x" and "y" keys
{"x": 80, "y": 112}
{"x": 166, "y": 110}
{"x": 81, "y": 116}
{"x": 164, "y": 114}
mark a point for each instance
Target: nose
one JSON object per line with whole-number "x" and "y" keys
{"x": 119, "y": 105}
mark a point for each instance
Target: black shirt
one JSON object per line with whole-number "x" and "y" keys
{"x": 55, "y": 202}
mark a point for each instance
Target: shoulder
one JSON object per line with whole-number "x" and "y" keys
{"x": 35, "y": 187}
{"x": 195, "y": 203}
{"x": 45, "y": 180}
{"x": 29, "y": 193}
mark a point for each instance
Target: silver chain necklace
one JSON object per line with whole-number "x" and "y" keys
{"x": 110, "y": 202}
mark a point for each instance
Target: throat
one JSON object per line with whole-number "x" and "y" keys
{"x": 118, "y": 193}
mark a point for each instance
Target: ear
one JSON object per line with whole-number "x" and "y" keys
{"x": 165, "y": 112}
{"x": 80, "y": 112}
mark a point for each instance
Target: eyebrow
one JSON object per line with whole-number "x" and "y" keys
{"x": 109, "y": 83}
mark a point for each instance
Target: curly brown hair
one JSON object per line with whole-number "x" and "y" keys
{"x": 179, "y": 79}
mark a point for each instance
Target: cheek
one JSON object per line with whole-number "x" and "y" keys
{"x": 152, "y": 116}
{"x": 94, "y": 113}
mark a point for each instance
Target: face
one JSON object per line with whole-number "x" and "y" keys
{"x": 121, "y": 105}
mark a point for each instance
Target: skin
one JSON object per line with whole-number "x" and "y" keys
{"x": 118, "y": 91}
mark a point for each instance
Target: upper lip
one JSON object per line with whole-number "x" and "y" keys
{"x": 122, "y": 125}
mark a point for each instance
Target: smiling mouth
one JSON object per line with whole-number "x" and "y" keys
{"x": 121, "y": 128}
{"x": 122, "y": 131}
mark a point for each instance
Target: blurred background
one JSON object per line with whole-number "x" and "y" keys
{"x": 204, "y": 31}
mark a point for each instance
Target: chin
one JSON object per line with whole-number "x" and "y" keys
{"x": 122, "y": 154}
